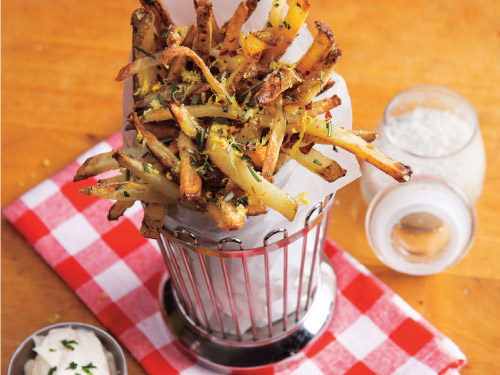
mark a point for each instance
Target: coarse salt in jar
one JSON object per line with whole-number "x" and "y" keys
{"x": 435, "y": 131}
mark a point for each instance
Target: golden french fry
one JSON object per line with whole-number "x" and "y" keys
{"x": 278, "y": 131}
{"x": 144, "y": 45}
{"x": 204, "y": 21}
{"x": 185, "y": 119}
{"x": 232, "y": 38}
{"x": 118, "y": 209}
{"x": 157, "y": 148}
{"x": 154, "y": 215}
{"x": 278, "y": 81}
{"x": 163, "y": 20}
{"x": 247, "y": 178}
{"x": 320, "y": 47}
{"x": 190, "y": 181}
{"x": 317, "y": 163}
{"x": 124, "y": 191}
{"x": 226, "y": 214}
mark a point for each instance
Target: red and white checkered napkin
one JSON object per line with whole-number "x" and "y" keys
{"x": 116, "y": 273}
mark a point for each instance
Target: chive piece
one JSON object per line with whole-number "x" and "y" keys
{"x": 165, "y": 33}
{"x": 212, "y": 200}
{"x": 223, "y": 75}
{"x": 174, "y": 88}
{"x": 241, "y": 200}
{"x": 119, "y": 187}
{"x": 144, "y": 51}
{"x": 298, "y": 5}
{"x": 251, "y": 148}
{"x": 146, "y": 167}
{"x": 125, "y": 192}
{"x": 254, "y": 174}
{"x": 52, "y": 370}
{"x": 222, "y": 121}
{"x": 316, "y": 161}
{"x": 87, "y": 368}
{"x": 335, "y": 148}
{"x": 229, "y": 99}
{"x": 52, "y": 350}
{"x": 68, "y": 344}
{"x": 321, "y": 87}
{"x": 228, "y": 197}
{"x": 202, "y": 176}
{"x": 159, "y": 98}
{"x": 268, "y": 174}
{"x": 72, "y": 366}
{"x": 321, "y": 75}
{"x": 200, "y": 137}
{"x": 166, "y": 141}
{"x": 269, "y": 24}
{"x": 195, "y": 99}
{"x": 127, "y": 175}
{"x": 329, "y": 127}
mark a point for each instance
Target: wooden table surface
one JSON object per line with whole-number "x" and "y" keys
{"x": 59, "y": 59}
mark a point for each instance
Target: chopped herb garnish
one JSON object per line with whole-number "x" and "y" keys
{"x": 72, "y": 366}
{"x": 222, "y": 121}
{"x": 151, "y": 2}
{"x": 298, "y": 5}
{"x": 269, "y": 24}
{"x": 321, "y": 87}
{"x": 195, "y": 99}
{"x": 146, "y": 168}
{"x": 229, "y": 99}
{"x": 228, "y": 197}
{"x": 286, "y": 24}
{"x": 223, "y": 75}
{"x": 329, "y": 127}
{"x": 52, "y": 370}
{"x": 200, "y": 137}
{"x": 268, "y": 174}
{"x": 174, "y": 88}
{"x": 127, "y": 175}
{"x": 166, "y": 141}
{"x": 68, "y": 344}
{"x": 52, "y": 350}
{"x": 241, "y": 200}
{"x": 251, "y": 148}
{"x": 321, "y": 75}
{"x": 212, "y": 199}
{"x": 125, "y": 192}
{"x": 86, "y": 369}
{"x": 165, "y": 33}
{"x": 335, "y": 148}
{"x": 159, "y": 98}
{"x": 254, "y": 174}
{"x": 201, "y": 175}
{"x": 316, "y": 161}
{"x": 144, "y": 51}
{"x": 118, "y": 187}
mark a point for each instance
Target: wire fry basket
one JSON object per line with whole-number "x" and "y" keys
{"x": 235, "y": 308}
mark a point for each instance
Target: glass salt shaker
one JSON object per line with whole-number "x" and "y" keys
{"x": 427, "y": 225}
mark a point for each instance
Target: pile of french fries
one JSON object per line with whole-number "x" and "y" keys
{"x": 217, "y": 114}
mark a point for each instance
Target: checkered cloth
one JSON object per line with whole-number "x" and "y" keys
{"x": 117, "y": 273}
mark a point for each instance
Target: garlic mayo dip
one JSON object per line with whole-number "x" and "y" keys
{"x": 68, "y": 351}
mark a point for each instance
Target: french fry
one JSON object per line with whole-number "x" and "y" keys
{"x": 278, "y": 131}
{"x": 278, "y": 81}
{"x": 157, "y": 148}
{"x": 138, "y": 66}
{"x": 178, "y": 64}
{"x": 190, "y": 181}
{"x": 166, "y": 187}
{"x": 172, "y": 52}
{"x": 154, "y": 215}
{"x": 232, "y": 37}
{"x": 257, "y": 154}
{"x": 144, "y": 45}
{"x": 185, "y": 119}
{"x": 320, "y": 47}
{"x": 204, "y": 20}
{"x": 275, "y": 16}
{"x": 227, "y": 216}
{"x": 258, "y": 41}
{"x": 317, "y": 163}
{"x": 101, "y": 163}
{"x": 124, "y": 191}
{"x": 288, "y": 29}
{"x": 245, "y": 176}
{"x": 118, "y": 209}
{"x": 356, "y": 145}
{"x": 163, "y": 20}
{"x": 163, "y": 131}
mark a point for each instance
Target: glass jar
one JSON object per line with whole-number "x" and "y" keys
{"x": 435, "y": 131}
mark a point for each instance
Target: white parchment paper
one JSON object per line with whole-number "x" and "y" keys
{"x": 292, "y": 178}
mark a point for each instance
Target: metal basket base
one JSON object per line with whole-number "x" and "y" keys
{"x": 224, "y": 356}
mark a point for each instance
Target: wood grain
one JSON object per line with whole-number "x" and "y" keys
{"x": 59, "y": 98}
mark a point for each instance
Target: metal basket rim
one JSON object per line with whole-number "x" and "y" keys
{"x": 245, "y": 253}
